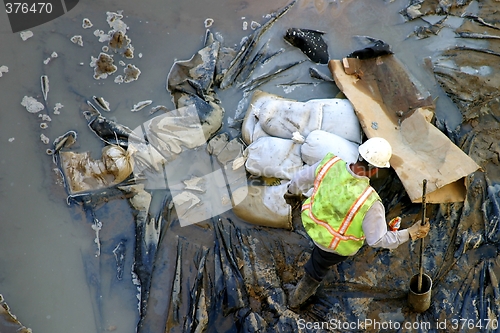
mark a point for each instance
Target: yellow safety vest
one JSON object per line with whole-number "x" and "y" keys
{"x": 333, "y": 215}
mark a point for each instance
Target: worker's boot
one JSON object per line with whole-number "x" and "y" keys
{"x": 305, "y": 288}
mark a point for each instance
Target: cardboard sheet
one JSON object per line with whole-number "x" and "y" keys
{"x": 390, "y": 104}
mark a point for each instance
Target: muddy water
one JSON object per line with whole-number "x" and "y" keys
{"x": 48, "y": 266}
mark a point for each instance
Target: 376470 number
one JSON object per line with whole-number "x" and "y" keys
{"x": 25, "y": 8}
{"x": 464, "y": 324}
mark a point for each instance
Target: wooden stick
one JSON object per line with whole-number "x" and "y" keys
{"x": 420, "y": 275}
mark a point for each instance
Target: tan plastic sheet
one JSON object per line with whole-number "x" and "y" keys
{"x": 390, "y": 104}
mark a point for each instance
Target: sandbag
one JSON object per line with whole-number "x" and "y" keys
{"x": 263, "y": 205}
{"x": 273, "y": 157}
{"x": 280, "y": 117}
{"x": 339, "y": 118}
{"x": 318, "y": 143}
{"x": 82, "y": 173}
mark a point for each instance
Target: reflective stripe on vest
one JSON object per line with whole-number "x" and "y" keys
{"x": 337, "y": 227}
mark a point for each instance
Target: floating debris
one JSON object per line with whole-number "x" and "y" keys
{"x": 97, "y": 226}
{"x": 105, "y": 48}
{"x": 44, "y": 139}
{"x": 77, "y": 39}
{"x": 118, "y": 40}
{"x": 158, "y": 108}
{"x": 45, "y": 117}
{"x": 57, "y": 108}
{"x": 26, "y": 34}
{"x": 87, "y": 24}
{"x": 52, "y": 56}
{"x": 66, "y": 140}
{"x": 103, "y": 37}
{"x": 11, "y": 139}
{"x": 194, "y": 183}
{"x": 122, "y": 63}
{"x": 245, "y": 25}
{"x": 31, "y": 104}
{"x": 141, "y": 105}
{"x": 254, "y": 25}
{"x": 140, "y": 55}
{"x": 209, "y": 22}
{"x": 44, "y": 81}
{"x": 102, "y": 103}
{"x": 44, "y": 126}
{"x": 131, "y": 73}
{"x": 115, "y": 21}
{"x": 49, "y": 151}
{"x": 119, "y": 79}
{"x": 129, "y": 52}
{"x": 103, "y": 66}
{"x": 3, "y": 69}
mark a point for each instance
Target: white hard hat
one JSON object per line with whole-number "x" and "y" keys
{"x": 377, "y": 152}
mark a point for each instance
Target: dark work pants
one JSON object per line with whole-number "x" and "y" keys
{"x": 320, "y": 262}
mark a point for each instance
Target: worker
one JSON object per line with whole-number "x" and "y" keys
{"x": 343, "y": 211}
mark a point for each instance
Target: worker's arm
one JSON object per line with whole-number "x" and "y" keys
{"x": 303, "y": 180}
{"x": 375, "y": 229}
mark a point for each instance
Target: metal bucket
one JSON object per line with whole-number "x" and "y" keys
{"x": 420, "y": 301}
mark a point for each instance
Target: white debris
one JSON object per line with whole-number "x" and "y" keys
{"x": 158, "y": 108}
{"x": 105, "y": 48}
{"x": 31, "y": 104}
{"x": 140, "y": 55}
{"x": 193, "y": 184}
{"x": 254, "y": 25}
{"x": 57, "y": 108}
{"x": 44, "y": 82}
{"x": 115, "y": 22}
{"x": 104, "y": 104}
{"x": 86, "y": 24}
{"x": 209, "y": 22}
{"x": 26, "y": 34}
{"x": 97, "y": 226}
{"x": 52, "y": 56}
{"x": 77, "y": 39}
{"x": 131, "y": 73}
{"x": 3, "y": 69}
{"x": 44, "y": 139}
{"x": 141, "y": 105}
{"x": 44, "y": 125}
{"x": 245, "y": 25}
{"x": 11, "y": 139}
{"x": 45, "y": 117}
{"x": 103, "y": 37}
{"x": 122, "y": 63}
{"x": 119, "y": 79}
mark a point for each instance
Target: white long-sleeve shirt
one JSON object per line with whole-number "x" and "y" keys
{"x": 374, "y": 224}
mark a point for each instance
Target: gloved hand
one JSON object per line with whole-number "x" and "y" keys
{"x": 293, "y": 200}
{"x": 394, "y": 224}
{"x": 419, "y": 231}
